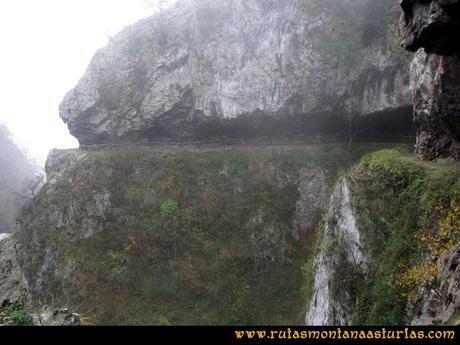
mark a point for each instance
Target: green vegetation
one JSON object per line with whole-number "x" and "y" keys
{"x": 423, "y": 274}
{"x": 455, "y": 319}
{"x": 209, "y": 237}
{"x": 185, "y": 238}
{"x": 17, "y": 313}
{"x": 308, "y": 271}
{"x": 398, "y": 200}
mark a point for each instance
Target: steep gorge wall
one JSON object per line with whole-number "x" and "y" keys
{"x": 138, "y": 235}
{"x": 340, "y": 246}
{"x": 205, "y": 235}
{"x": 423, "y": 235}
{"x": 375, "y": 262}
{"x": 247, "y": 71}
{"x": 236, "y": 235}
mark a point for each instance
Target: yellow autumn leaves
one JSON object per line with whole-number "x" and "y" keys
{"x": 415, "y": 278}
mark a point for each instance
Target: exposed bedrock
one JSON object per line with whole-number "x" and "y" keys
{"x": 341, "y": 248}
{"x": 432, "y": 28}
{"x": 15, "y": 299}
{"x": 433, "y": 311}
{"x": 245, "y": 71}
{"x": 433, "y": 25}
{"x": 371, "y": 258}
{"x": 13, "y": 285}
{"x": 238, "y": 207}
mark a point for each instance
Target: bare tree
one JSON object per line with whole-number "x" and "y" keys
{"x": 15, "y": 167}
{"x": 33, "y": 185}
{"x": 161, "y": 26}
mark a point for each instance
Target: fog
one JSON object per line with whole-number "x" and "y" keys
{"x": 46, "y": 46}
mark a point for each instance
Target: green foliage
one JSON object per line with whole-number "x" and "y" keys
{"x": 17, "y": 313}
{"x": 455, "y": 319}
{"x": 187, "y": 238}
{"x": 396, "y": 197}
{"x": 308, "y": 271}
{"x": 327, "y": 246}
{"x": 169, "y": 210}
{"x": 118, "y": 270}
{"x": 446, "y": 236}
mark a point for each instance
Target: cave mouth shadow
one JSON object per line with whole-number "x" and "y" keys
{"x": 260, "y": 128}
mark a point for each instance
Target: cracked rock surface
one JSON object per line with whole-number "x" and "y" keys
{"x": 432, "y": 29}
{"x": 241, "y": 70}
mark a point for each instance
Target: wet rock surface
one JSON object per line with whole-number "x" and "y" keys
{"x": 433, "y": 28}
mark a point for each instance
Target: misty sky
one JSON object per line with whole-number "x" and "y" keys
{"x": 46, "y": 46}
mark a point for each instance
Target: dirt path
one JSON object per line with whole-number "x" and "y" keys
{"x": 204, "y": 147}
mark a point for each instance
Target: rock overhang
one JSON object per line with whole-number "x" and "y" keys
{"x": 242, "y": 83}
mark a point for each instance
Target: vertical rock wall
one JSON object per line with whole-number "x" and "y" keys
{"x": 432, "y": 29}
{"x": 340, "y": 245}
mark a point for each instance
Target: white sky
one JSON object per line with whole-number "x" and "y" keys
{"x": 46, "y": 46}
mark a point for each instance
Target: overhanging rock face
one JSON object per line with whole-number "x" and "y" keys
{"x": 246, "y": 71}
{"x": 432, "y": 28}
{"x": 433, "y": 25}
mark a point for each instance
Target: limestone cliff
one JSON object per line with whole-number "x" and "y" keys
{"x": 13, "y": 285}
{"x": 247, "y": 71}
{"x": 244, "y": 235}
{"x": 168, "y": 235}
{"x": 433, "y": 28}
{"x": 388, "y": 249}
{"x": 330, "y": 233}
{"x": 340, "y": 248}
{"x": 15, "y": 300}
